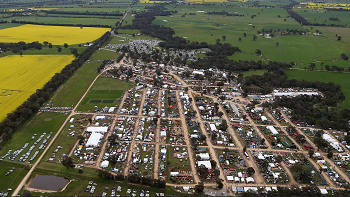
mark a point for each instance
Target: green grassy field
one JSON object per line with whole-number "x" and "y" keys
{"x": 103, "y": 55}
{"x": 76, "y": 86}
{"x": 62, "y": 20}
{"x": 106, "y": 9}
{"x": 104, "y": 93}
{"x": 42, "y": 123}
{"x": 209, "y": 28}
{"x": 322, "y": 16}
{"x": 12, "y": 180}
{"x": 9, "y": 25}
{"x": 335, "y": 77}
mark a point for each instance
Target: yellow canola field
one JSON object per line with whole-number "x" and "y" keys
{"x": 22, "y": 76}
{"x": 57, "y": 35}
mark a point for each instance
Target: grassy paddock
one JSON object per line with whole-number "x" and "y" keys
{"x": 76, "y": 86}
{"x": 335, "y": 77}
{"x": 104, "y": 89}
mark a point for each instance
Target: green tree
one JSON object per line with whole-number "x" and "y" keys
{"x": 68, "y": 162}
{"x": 65, "y": 45}
{"x": 199, "y": 188}
{"x": 255, "y": 37}
{"x": 250, "y": 171}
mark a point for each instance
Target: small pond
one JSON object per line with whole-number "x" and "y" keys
{"x": 48, "y": 182}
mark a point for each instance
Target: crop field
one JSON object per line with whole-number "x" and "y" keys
{"x": 104, "y": 92}
{"x": 22, "y": 76}
{"x": 57, "y": 35}
{"x": 336, "y": 77}
{"x": 67, "y": 20}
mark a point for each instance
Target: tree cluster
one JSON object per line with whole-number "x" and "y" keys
{"x": 146, "y": 181}
{"x": 20, "y": 46}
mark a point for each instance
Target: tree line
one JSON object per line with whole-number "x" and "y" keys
{"x": 83, "y": 13}
{"x": 55, "y": 24}
{"x": 31, "y": 106}
{"x": 20, "y": 46}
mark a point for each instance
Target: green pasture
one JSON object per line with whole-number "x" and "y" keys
{"x": 104, "y": 93}
{"x": 322, "y": 16}
{"x": 9, "y": 25}
{"x": 292, "y": 48}
{"x": 76, "y": 86}
{"x": 62, "y": 20}
{"x": 11, "y": 181}
{"x": 335, "y": 77}
{"x": 104, "y": 55}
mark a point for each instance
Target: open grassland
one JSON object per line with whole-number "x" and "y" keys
{"x": 209, "y": 28}
{"x": 104, "y": 93}
{"x": 76, "y": 86}
{"x": 66, "y": 20}
{"x": 8, "y": 25}
{"x": 106, "y": 9}
{"x": 104, "y": 55}
{"x": 22, "y": 76}
{"x": 335, "y": 77}
{"x": 12, "y": 180}
{"x": 322, "y": 16}
{"x": 57, "y": 35}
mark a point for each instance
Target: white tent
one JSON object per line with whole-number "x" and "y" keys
{"x": 272, "y": 129}
{"x": 203, "y": 156}
{"x": 207, "y": 164}
{"x": 162, "y": 134}
{"x": 174, "y": 173}
{"x": 229, "y": 178}
{"x": 104, "y": 164}
{"x": 263, "y": 118}
{"x": 97, "y": 129}
{"x": 94, "y": 139}
{"x": 323, "y": 191}
{"x": 100, "y": 117}
{"x": 212, "y": 127}
{"x": 250, "y": 180}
